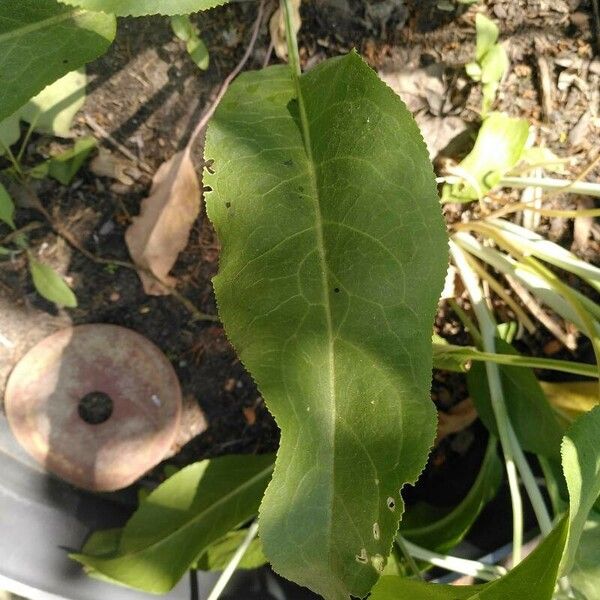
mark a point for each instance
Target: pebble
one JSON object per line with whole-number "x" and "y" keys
{"x": 114, "y": 296}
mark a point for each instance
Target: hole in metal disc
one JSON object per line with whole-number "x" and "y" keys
{"x": 95, "y": 408}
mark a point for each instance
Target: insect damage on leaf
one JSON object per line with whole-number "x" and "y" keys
{"x": 332, "y": 261}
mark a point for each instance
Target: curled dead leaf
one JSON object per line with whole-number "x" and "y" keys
{"x": 459, "y": 417}
{"x": 277, "y": 29}
{"x": 106, "y": 164}
{"x": 161, "y": 231}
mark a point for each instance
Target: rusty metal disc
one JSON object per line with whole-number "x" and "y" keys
{"x": 118, "y": 381}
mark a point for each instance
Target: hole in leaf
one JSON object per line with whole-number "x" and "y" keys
{"x": 336, "y": 290}
{"x": 227, "y": 204}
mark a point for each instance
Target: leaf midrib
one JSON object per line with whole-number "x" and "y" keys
{"x": 43, "y": 24}
{"x": 200, "y": 515}
{"x": 315, "y": 196}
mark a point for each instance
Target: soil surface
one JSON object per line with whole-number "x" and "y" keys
{"x": 147, "y": 94}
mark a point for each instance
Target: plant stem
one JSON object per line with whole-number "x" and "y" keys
{"x": 12, "y": 159}
{"x": 488, "y": 330}
{"x": 233, "y": 563}
{"x": 292, "y": 40}
{"x": 453, "y": 563}
{"x": 587, "y": 188}
{"x": 550, "y": 364}
{"x": 401, "y": 542}
{"x": 533, "y": 491}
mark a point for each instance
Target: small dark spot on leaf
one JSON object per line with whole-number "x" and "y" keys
{"x": 227, "y": 204}
{"x": 206, "y": 188}
{"x": 209, "y": 164}
{"x": 65, "y": 61}
{"x": 288, "y": 163}
{"x": 301, "y": 188}
{"x": 336, "y": 290}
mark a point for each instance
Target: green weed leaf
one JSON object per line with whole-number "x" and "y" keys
{"x": 138, "y": 8}
{"x": 64, "y": 166}
{"x": 533, "y": 419}
{"x": 50, "y": 284}
{"x": 333, "y": 258}
{"x": 487, "y": 35}
{"x": 178, "y": 521}
{"x": 7, "y": 208}
{"x": 186, "y": 31}
{"x": 533, "y": 578}
{"x": 581, "y": 466}
{"x": 498, "y": 148}
{"x": 42, "y": 41}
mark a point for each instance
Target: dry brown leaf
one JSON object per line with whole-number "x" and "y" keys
{"x": 459, "y": 417}
{"x": 161, "y": 231}
{"x": 277, "y": 29}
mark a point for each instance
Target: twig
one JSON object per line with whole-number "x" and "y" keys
{"x": 540, "y": 314}
{"x": 14, "y": 234}
{"x": 546, "y": 85}
{"x": 74, "y": 242}
{"x": 210, "y": 111}
{"x": 99, "y": 130}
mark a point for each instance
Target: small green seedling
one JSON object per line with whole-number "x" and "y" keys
{"x": 491, "y": 60}
{"x": 187, "y": 32}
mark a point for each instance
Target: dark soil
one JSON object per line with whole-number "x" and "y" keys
{"x": 148, "y": 94}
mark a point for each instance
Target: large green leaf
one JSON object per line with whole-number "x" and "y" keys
{"x": 138, "y": 8}
{"x": 425, "y": 526}
{"x": 532, "y": 417}
{"x": 41, "y": 41}
{"x": 179, "y": 520}
{"x": 532, "y": 579}
{"x": 333, "y": 258}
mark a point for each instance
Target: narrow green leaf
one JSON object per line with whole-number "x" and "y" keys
{"x": 532, "y": 417}
{"x": 497, "y": 150}
{"x": 139, "y": 8}
{"x": 425, "y": 526}
{"x": 218, "y": 555}
{"x": 50, "y": 284}
{"x": 487, "y": 35}
{"x": 5, "y": 251}
{"x": 103, "y": 543}
{"x": 182, "y": 27}
{"x": 536, "y": 576}
{"x": 534, "y": 579}
{"x": 333, "y": 257}
{"x": 42, "y": 41}
{"x": 179, "y": 520}
{"x": 7, "y": 208}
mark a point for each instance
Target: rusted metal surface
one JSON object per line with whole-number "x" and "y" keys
{"x": 45, "y": 388}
